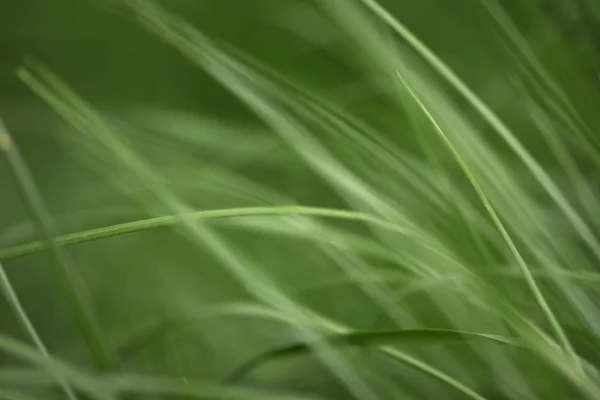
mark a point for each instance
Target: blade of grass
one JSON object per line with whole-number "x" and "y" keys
{"x": 252, "y": 90}
{"x": 283, "y": 305}
{"x": 178, "y": 324}
{"x": 382, "y": 58}
{"x": 267, "y": 101}
{"x": 320, "y": 322}
{"x": 64, "y": 267}
{"x": 494, "y": 121}
{"x": 363, "y": 339}
{"x": 126, "y": 385}
{"x": 9, "y": 293}
{"x": 170, "y": 220}
{"x": 552, "y": 89}
{"x": 56, "y": 369}
{"x": 530, "y": 280}
{"x": 258, "y": 283}
{"x": 343, "y": 123}
{"x": 244, "y": 83}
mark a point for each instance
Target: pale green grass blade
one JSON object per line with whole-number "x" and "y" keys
{"x": 230, "y": 76}
{"x": 526, "y": 55}
{"x": 527, "y": 325}
{"x": 340, "y": 123}
{"x": 229, "y": 73}
{"x": 488, "y": 114}
{"x": 320, "y": 322}
{"x": 170, "y": 220}
{"x": 133, "y": 386}
{"x": 384, "y": 55}
{"x": 582, "y": 189}
{"x": 242, "y": 82}
{"x": 234, "y": 144}
{"x": 307, "y": 194}
{"x": 192, "y": 181}
{"x": 235, "y": 76}
{"x": 249, "y": 274}
{"x": 57, "y": 370}
{"x": 517, "y": 208}
{"x": 11, "y": 297}
{"x": 558, "y": 331}
{"x": 64, "y": 267}
{"x": 250, "y": 94}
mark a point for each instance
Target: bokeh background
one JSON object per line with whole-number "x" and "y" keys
{"x": 324, "y": 122}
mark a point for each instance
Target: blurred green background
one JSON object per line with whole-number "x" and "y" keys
{"x": 213, "y": 150}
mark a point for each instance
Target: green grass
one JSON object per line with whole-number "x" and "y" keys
{"x": 302, "y": 199}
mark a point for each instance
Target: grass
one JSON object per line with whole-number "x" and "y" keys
{"x": 423, "y": 239}
{"x": 370, "y": 338}
{"x": 64, "y": 266}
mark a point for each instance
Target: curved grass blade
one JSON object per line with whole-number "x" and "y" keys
{"x": 64, "y": 267}
{"x": 493, "y": 120}
{"x": 529, "y": 278}
{"x": 248, "y": 272}
{"x": 240, "y": 81}
{"x": 264, "y": 99}
{"x": 320, "y": 323}
{"x": 170, "y": 220}
{"x": 364, "y": 339}
{"x": 110, "y": 387}
{"x": 564, "y": 357}
{"x": 164, "y": 328}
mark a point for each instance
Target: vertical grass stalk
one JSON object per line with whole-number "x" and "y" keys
{"x": 64, "y": 267}
{"x": 13, "y": 300}
{"x": 529, "y": 279}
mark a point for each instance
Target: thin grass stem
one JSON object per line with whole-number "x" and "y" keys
{"x": 64, "y": 267}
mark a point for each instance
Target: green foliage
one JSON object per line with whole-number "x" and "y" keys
{"x": 402, "y": 196}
